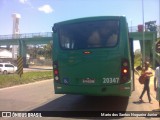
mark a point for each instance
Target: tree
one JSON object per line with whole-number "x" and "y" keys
{"x": 150, "y": 26}
{"x": 48, "y": 51}
{"x": 40, "y": 51}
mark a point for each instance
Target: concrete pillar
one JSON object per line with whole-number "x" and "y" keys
{"x": 16, "y": 17}
{"x": 22, "y": 52}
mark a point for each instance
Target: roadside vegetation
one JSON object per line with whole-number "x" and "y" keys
{"x": 28, "y": 77}
{"x": 137, "y": 58}
{"x": 137, "y": 61}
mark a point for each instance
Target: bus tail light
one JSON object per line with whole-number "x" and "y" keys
{"x": 55, "y": 71}
{"x": 125, "y": 73}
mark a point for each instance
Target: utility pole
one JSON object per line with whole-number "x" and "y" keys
{"x": 143, "y": 36}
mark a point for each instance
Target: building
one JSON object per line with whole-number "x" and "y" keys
{"x": 5, "y": 53}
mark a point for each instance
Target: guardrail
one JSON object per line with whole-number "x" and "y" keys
{"x": 26, "y": 35}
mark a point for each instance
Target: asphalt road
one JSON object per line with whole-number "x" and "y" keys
{"x": 39, "y": 96}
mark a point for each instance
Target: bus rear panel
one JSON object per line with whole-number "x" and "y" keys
{"x": 91, "y": 56}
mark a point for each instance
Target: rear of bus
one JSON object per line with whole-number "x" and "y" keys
{"x": 91, "y": 56}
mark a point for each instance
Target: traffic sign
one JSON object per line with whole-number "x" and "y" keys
{"x": 158, "y": 47}
{"x": 20, "y": 65}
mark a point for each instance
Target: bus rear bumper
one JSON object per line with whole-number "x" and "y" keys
{"x": 95, "y": 90}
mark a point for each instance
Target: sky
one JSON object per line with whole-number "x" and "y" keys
{"x": 40, "y": 15}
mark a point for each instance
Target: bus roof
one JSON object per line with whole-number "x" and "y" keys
{"x": 91, "y": 19}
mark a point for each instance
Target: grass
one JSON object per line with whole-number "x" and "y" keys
{"x": 137, "y": 60}
{"x": 28, "y": 77}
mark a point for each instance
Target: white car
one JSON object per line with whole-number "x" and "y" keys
{"x": 6, "y": 68}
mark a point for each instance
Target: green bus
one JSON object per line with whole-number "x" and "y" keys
{"x": 93, "y": 56}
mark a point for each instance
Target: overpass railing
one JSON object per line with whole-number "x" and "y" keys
{"x": 26, "y": 35}
{"x": 49, "y": 34}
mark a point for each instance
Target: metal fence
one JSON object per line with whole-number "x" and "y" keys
{"x": 133, "y": 29}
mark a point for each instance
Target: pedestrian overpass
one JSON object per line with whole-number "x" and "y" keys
{"x": 22, "y": 40}
{"x": 150, "y": 39}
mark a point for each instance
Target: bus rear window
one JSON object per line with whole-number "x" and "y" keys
{"x": 91, "y": 34}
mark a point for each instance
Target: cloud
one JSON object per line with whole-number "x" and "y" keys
{"x": 26, "y": 2}
{"x": 23, "y": 1}
{"x": 46, "y": 9}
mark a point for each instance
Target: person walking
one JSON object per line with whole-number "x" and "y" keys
{"x": 157, "y": 84}
{"x": 147, "y": 74}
